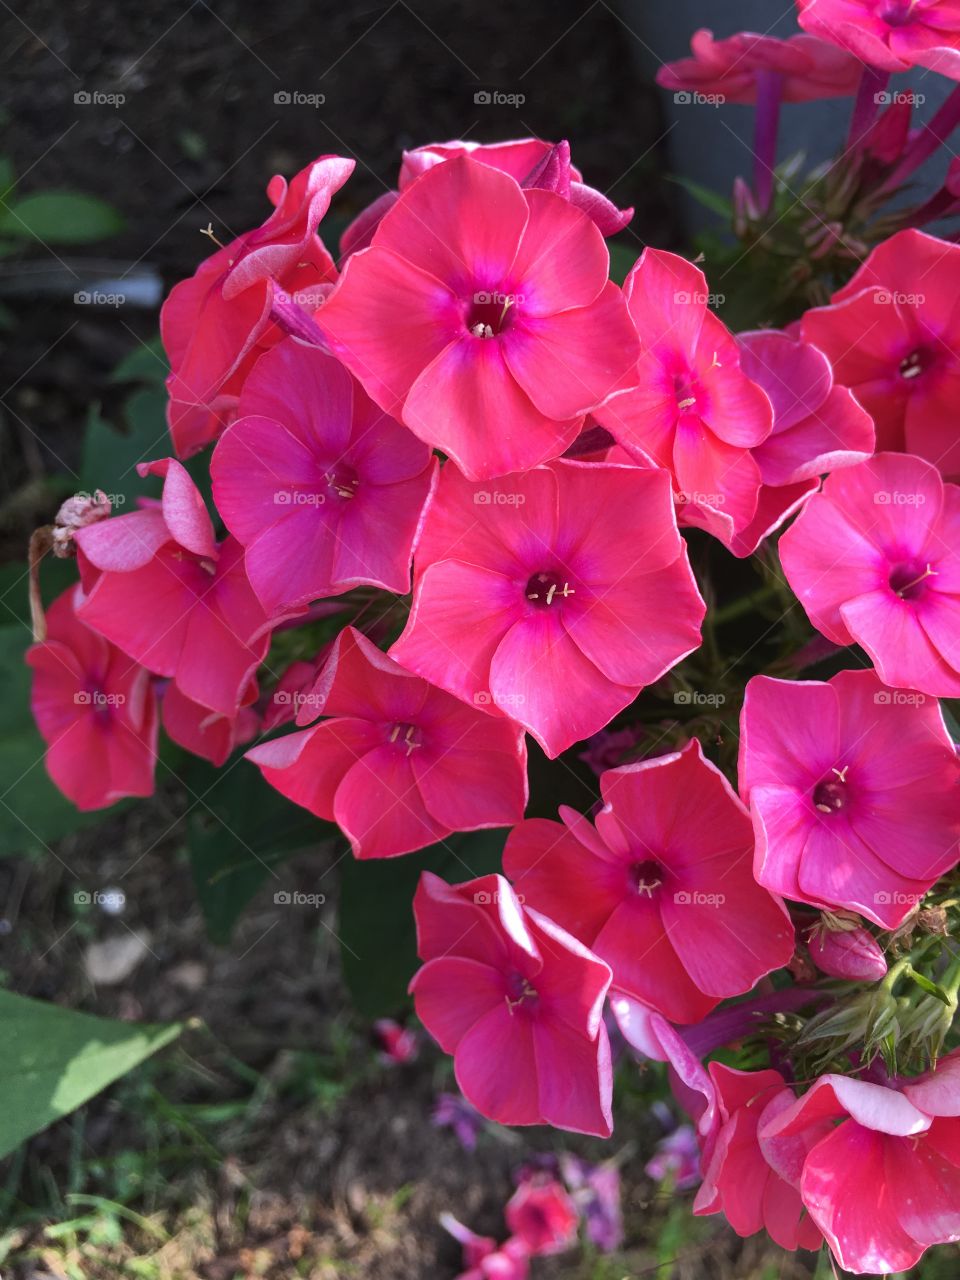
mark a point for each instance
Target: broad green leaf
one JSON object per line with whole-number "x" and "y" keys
{"x": 146, "y": 363}
{"x": 378, "y": 945}
{"x": 110, "y": 456}
{"x": 59, "y": 217}
{"x": 52, "y": 1060}
{"x": 238, "y": 834}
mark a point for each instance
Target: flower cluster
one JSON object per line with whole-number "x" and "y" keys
{"x": 474, "y": 475}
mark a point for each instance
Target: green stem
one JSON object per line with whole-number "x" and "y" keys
{"x": 744, "y": 605}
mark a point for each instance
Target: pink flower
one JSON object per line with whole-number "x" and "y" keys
{"x": 160, "y": 588}
{"x": 842, "y": 949}
{"x": 96, "y": 711}
{"x": 893, "y": 337}
{"x": 531, "y": 161}
{"x": 892, "y": 34}
{"x": 754, "y": 1183}
{"x": 399, "y": 764}
{"x": 693, "y": 410}
{"x": 483, "y": 1258}
{"x": 519, "y": 1004}
{"x": 808, "y": 68}
{"x": 313, "y": 465}
{"x": 875, "y": 559}
{"x": 853, "y": 793}
{"x": 217, "y": 323}
{"x": 397, "y": 1044}
{"x": 883, "y": 1184}
{"x": 482, "y": 316}
{"x": 817, "y": 427}
{"x": 662, "y": 889}
{"x": 541, "y": 1215}
{"x": 204, "y": 732}
{"x": 552, "y": 597}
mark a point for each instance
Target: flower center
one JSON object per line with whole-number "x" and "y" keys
{"x": 406, "y": 736}
{"x": 896, "y": 13}
{"x": 521, "y": 994}
{"x": 685, "y": 390}
{"x": 907, "y": 579}
{"x": 916, "y": 363}
{"x": 646, "y": 877}
{"x": 830, "y": 794}
{"x": 546, "y": 587}
{"x": 488, "y": 314}
{"x": 342, "y": 480}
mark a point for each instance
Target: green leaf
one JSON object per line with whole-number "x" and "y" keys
{"x": 110, "y": 457}
{"x": 52, "y": 1060}
{"x": 711, "y": 200}
{"x": 32, "y": 810}
{"x": 376, "y": 926}
{"x": 931, "y": 988}
{"x": 59, "y": 217}
{"x": 622, "y": 259}
{"x": 238, "y": 835}
{"x": 146, "y": 363}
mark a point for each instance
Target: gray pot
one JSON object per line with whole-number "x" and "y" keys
{"x": 710, "y": 145}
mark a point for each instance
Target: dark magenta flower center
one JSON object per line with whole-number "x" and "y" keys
{"x": 521, "y": 994}
{"x": 490, "y": 313}
{"x": 916, "y": 363}
{"x": 896, "y": 13}
{"x": 407, "y": 737}
{"x": 831, "y": 794}
{"x": 646, "y": 877}
{"x": 342, "y": 480}
{"x": 547, "y": 588}
{"x": 910, "y": 579}
{"x": 687, "y": 390}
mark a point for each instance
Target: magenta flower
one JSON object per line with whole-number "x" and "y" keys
{"x": 692, "y": 410}
{"x": 676, "y": 1159}
{"x": 807, "y": 68}
{"x": 883, "y": 1184}
{"x": 399, "y": 764}
{"x": 751, "y": 1181}
{"x": 891, "y": 34}
{"x": 453, "y": 1111}
{"x": 577, "y": 589}
{"x": 541, "y": 1215}
{"x": 841, "y": 948}
{"x": 96, "y": 710}
{"x": 853, "y": 791}
{"x": 217, "y": 323}
{"x": 482, "y": 317}
{"x": 893, "y": 336}
{"x": 204, "y": 732}
{"x": 519, "y": 1004}
{"x": 662, "y": 889}
{"x": 875, "y": 560}
{"x": 531, "y": 161}
{"x": 160, "y": 588}
{"x": 313, "y": 464}
{"x": 817, "y": 427}
{"x": 398, "y": 1045}
{"x": 483, "y": 1257}
{"x": 595, "y": 1189}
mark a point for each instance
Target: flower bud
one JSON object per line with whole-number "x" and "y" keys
{"x": 851, "y": 953}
